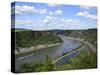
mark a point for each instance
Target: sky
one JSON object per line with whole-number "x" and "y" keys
{"x": 46, "y": 16}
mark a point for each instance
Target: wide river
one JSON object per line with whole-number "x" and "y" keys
{"x": 52, "y": 52}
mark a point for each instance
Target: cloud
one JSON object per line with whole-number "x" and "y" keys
{"x": 72, "y": 22}
{"x": 58, "y": 12}
{"x": 49, "y": 22}
{"x": 49, "y": 19}
{"x": 18, "y": 12}
{"x": 85, "y": 7}
{"x": 22, "y": 22}
{"x": 51, "y": 13}
{"x": 55, "y": 13}
{"x": 53, "y": 5}
{"x": 53, "y": 22}
{"x": 86, "y": 14}
{"x": 25, "y": 9}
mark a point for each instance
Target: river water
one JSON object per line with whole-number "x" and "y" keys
{"x": 52, "y": 52}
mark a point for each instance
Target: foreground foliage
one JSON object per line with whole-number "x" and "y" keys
{"x": 37, "y": 67}
{"x": 85, "y": 60}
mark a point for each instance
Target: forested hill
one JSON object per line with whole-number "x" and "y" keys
{"x": 90, "y": 35}
{"x": 27, "y": 38}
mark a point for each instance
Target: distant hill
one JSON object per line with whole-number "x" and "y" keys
{"x": 89, "y": 35}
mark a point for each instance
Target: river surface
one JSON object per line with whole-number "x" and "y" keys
{"x": 52, "y": 52}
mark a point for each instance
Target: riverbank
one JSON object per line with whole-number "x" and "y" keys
{"x": 28, "y": 51}
{"x": 68, "y": 53}
{"x": 83, "y": 41}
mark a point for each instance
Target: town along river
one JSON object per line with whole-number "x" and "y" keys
{"x": 52, "y": 52}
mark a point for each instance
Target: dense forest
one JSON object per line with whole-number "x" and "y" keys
{"x": 27, "y": 38}
{"x": 89, "y": 35}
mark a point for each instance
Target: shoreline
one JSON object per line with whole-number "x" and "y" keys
{"x": 67, "y": 54}
{"x": 27, "y": 51}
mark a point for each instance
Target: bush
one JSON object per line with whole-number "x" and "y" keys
{"x": 37, "y": 67}
{"x": 85, "y": 60}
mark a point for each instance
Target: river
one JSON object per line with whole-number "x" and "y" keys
{"x": 52, "y": 52}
